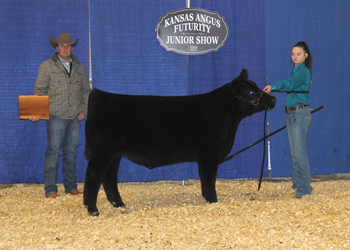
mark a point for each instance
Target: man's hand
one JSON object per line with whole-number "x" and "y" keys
{"x": 81, "y": 116}
{"x": 34, "y": 119}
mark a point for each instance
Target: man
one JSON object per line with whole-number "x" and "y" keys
{"x": 63, "y": 79}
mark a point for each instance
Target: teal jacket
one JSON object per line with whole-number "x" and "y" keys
{"x": 300, "y": 81}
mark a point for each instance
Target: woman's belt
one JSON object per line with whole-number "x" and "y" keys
{"x": 288, "y": 109}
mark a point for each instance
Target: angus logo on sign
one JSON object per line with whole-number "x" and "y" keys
{"x": 192, "y": 31}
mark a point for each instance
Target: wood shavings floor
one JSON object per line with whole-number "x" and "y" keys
{"x": 168, "y": 215}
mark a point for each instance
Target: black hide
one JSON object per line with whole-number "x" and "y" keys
{"x": 155, "y": 131}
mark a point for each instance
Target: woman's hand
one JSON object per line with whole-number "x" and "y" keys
{"x": 267, "y": 89}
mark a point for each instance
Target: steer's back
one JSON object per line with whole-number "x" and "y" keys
{"x": 156, "y": 130}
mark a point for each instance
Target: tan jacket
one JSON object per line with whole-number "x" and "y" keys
{"x": 68, "y": 95}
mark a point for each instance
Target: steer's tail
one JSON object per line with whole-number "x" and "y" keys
{"x": 94, "y": 94}
{"x": 93, "y": 97}
{"x": 87, "y": 153}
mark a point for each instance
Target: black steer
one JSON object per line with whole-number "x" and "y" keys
{"x": 155, "y": 131}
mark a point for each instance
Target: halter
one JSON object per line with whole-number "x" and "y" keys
{"x": 255, "y": 102}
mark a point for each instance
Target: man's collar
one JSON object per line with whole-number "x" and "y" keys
{"x": 70, "y": 59}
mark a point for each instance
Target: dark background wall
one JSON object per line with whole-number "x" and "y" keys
{"x": 127, "y": 58}
{"x": 26, "y": 28}
{"x": 325, "y": 26}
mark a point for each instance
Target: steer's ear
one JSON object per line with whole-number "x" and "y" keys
{"x": 243, "y": 75}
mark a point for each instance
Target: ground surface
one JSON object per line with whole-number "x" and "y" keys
{"x": 169, "y": 215}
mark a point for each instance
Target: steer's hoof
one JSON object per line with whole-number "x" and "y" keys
{"x": 210, "y": 199}
{"x": 96, "y": 213}
{"x": 212, "y": 202}
{"x": 119, "y": 204}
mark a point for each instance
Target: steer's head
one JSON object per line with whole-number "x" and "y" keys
{"x": 251, "y": 98}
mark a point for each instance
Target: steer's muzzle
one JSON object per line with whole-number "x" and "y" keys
{"x": 273, "y": 102}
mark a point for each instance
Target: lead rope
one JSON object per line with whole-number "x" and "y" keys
{"x": 263, "y": 161}
{"x": 262, "y": 139}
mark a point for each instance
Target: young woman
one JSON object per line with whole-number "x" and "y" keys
{"x": 298, "y": 115}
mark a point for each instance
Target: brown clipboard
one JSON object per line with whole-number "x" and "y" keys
{"x": 33, "y": 105}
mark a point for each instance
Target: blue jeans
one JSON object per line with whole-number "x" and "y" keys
{"x": 61, "y": 134}
{"x": 298, "y": 123}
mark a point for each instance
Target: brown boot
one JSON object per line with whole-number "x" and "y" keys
{"x": 75, "y": 192}
{"x": 52, "y": 195}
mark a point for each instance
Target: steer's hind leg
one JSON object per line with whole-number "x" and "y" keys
{"x": 93, "y": 179}
{"x": 110, "y": 184}
{"x": 207, "y": 175}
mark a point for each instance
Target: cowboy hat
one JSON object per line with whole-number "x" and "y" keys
{"x": 63, "y": 38}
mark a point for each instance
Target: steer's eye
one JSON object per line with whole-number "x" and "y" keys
{"x": 251, "y": 92}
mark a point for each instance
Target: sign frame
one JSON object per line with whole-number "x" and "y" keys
{"x": 192, "y": 31}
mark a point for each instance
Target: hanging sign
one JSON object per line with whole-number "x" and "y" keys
{"x": 192, "y": 31}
